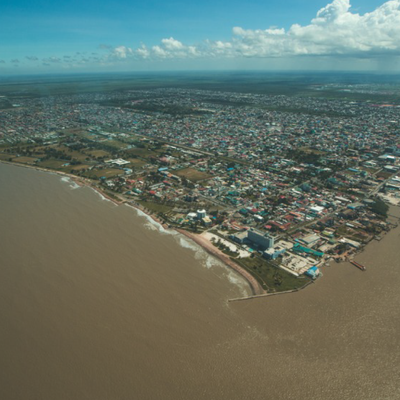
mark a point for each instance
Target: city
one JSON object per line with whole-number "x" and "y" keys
{"x": 281, "y": 185}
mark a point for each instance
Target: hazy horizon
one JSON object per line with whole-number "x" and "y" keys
{"x": 82, "y": 37}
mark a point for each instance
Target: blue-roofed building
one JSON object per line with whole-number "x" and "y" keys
{"x": 312, "y": 272}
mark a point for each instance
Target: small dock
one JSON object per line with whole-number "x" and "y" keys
{"x": 359, "y": 266}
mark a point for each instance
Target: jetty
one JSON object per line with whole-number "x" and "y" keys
{"x": 359, "y": 266}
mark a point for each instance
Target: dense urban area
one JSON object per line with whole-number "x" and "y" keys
{"x": 281, "y": 185}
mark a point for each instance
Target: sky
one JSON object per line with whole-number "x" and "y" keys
{"x": 47, "y": 36}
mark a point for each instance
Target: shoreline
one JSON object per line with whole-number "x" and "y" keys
{"x": 211, "y": 249}
{"x": 206, "y": 245}
{"x": 76, "y": 179}
{"x": 198, "y": 239}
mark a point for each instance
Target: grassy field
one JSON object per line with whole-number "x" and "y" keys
{"x": 136, "y": 162}
{"x": 270, "y": 277}
{"x": 108, "y": 173}
{"x": 155, "y": 207}
{"x": 141, "y": 152}
{"x": 6, "y": 157}
{"x": 25, "y": 160}
{"x": 192, "y": 174}
{"x": 116, "y": 144}
{"x": 52, "y": 164}
{"x": 78, "y": 167}
{"x": 98, "y": 153}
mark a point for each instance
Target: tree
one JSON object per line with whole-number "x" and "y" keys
{"x": 380, "y": 207}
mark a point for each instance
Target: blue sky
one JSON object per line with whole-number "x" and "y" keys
{"x": 87, "y": 35}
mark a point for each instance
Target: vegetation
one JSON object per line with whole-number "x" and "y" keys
{"x": 155, "y": 207}
{"x": 192, "y": 174}
{"x": 380, "y": 208}
{"x": 270, "y": 276}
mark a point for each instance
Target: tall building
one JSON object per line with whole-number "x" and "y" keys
{"x": 263, "y": 241}
{"x": 201, "y": 214}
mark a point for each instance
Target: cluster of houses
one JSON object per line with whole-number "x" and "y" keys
{"x": 298, "y": 187}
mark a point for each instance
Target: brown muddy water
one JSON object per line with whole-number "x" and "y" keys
{"x": 96, "y": 302}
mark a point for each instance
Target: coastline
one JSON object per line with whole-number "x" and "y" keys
{"x": 198, "y": 239}
{"x": 211, "y": 249}
{"x": 76, "y": 179}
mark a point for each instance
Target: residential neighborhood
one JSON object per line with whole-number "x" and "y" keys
{"x": 291, "y": 183}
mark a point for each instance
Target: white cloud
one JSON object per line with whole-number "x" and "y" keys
{"x": 172, "y": 44}
{"x": 122, "y": 52}
{"x": 168, "y": 48}
{"x": 334, "y": 31}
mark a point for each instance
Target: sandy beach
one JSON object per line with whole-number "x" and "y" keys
{"x": 202, "y": 240}
{"x": 211, "y": 249}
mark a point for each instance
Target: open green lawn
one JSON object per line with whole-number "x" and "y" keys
{"x": 270, "y": 277}
{"x": 25, "y": 160}
{"x": 192, "y": 174}
{"x": 52, "y": 164}
{"x": 137, "y": 163}
{"x": 141, "y": 152}
{"x": 108, "y": 173}
{"x": 155, "y": 207}
{"x": 98, "y": 153}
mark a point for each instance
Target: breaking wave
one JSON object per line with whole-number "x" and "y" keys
{"x": 151, "y": 224}
{"x": 102, "y": 197}
{"x": 240, "y": 282}
{"x": 70, "y": 182}
{"x": 206, "y": 260}
{"x": 209, "y": 261}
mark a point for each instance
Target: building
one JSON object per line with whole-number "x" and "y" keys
{"x": 274, "y": 252}
{"x": 312, "y": 272}
{"x": 310, "y": 240}
{"x": 206, "y": 221}
{"x": 239, "y": 237}
{"x": 262, "y": 241}
{"x": 201, "y": 214}
{"x": 118, "y": 161}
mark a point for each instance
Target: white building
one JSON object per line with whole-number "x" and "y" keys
{"x": 201, "y": 214}
{"x": 263, "y": 241}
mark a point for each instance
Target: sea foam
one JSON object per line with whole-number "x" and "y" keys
{"x": 70, "y": 182}
{"x": 206, "y": 260}
{"x": 151, "y": 224}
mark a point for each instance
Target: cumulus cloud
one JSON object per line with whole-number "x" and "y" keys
{"x": 15, "y": 61}
{"x": 2, "y": 62}
{"x": 168, "y": 48}
{"x": 32, "y": 58}
{"x": 335, "y": 30}
{"x": 122, "y": 52}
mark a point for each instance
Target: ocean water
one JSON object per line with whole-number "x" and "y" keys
{"x": 99, "y": 302}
